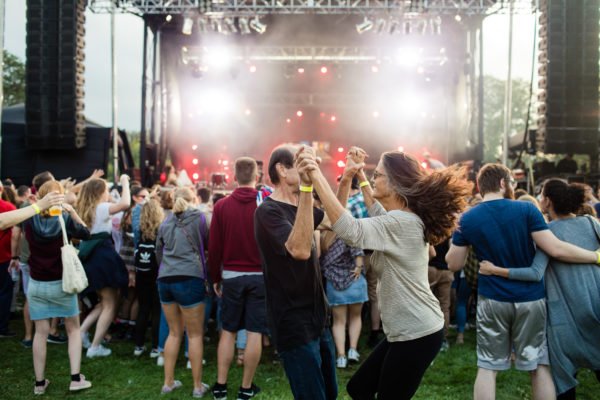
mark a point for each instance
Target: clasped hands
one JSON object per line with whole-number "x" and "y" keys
{"x": 307, "y": 163}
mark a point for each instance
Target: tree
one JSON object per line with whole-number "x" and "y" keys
{"x": 14, "y": 80}
{"x": 493, "y": 118}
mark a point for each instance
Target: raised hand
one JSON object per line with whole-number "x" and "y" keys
{"x": 124, "y": 180}
{"x": 357, "y": 155}
{"x": 97, "y": 174}
{"x": 51, "y": 199}
{"x": 305, "y": 161}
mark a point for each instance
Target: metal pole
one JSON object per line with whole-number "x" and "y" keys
{"x": 480, "y": 102}
{"x": 508, "y": 93}
{"x": 144, "y": 113}
{"x": 115, "y": 128}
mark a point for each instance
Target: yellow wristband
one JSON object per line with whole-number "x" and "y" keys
{"x": 363, "y": 184}
{"x": 37, "y": 210}
{"x": 306, "y": 189}
{"x": 598, "y": 259}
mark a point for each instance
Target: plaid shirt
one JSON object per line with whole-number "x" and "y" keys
{"x": 356, "y": 206}
{"x": 338, "y": 264}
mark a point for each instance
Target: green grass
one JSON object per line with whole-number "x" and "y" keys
{"x": 121, "y": 376}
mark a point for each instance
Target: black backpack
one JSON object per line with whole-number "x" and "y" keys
{"x": 145, "y": 257}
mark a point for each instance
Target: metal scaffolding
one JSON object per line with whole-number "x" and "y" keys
{"x": 234, "y": 8}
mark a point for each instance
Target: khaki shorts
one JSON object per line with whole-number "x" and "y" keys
{"x": 506, "y": 327}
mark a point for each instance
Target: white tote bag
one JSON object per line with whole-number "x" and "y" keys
{"x": 74, "y": 279}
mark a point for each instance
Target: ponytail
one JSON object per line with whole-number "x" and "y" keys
{"x": 184, "y": 198}
{"x": 565, "y": 198}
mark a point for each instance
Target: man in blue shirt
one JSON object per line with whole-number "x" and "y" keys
{"x": 511, "y": 315}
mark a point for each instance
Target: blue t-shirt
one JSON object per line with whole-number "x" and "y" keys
{"x": 500, "y": 232}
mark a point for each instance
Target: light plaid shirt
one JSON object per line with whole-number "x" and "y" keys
{"x": 356, "y": 206}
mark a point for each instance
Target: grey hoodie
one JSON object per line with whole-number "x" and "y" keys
{"x": 174, "y": 251}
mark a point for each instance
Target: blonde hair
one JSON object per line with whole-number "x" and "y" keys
{"x": 151, "y": 217}
{"x": 89, "y": 198}
{"x": 183, "y": 199}
{"x": 50, "y": 186}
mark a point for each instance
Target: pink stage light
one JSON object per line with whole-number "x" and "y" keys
{"x": 195, "y": 161}
{"x": 341, "y": 164}
{"x": 299, "y": 113}
{"x": 324, "y": 70}
{"x": 195, "y": 176}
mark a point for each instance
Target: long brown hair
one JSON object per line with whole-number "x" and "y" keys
{"x": 151, "y": 217}
{"x": 437, "y": 198}
{"x": 89, "y": 198}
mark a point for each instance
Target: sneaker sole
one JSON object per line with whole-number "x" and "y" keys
{"x": 75, "y": 389}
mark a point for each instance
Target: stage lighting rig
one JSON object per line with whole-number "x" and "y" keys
{"x": 202, "y": 25}
{"x": 379, "y": 26}
{"x": 258, "y": 26}
{"x": 231, "y": 25}
{"x": 188, "y": 24}
{"x": 364, "y": 26}
{"x": 243, "y": 24}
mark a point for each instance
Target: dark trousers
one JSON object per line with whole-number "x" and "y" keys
{"x": 394, "y": 369}
{"x": 6, "y": 295}
{"x": 149, "y": 308}
{"x": 571, "y": 393}
{"x": 310, "y": 369}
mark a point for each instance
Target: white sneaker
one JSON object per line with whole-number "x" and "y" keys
{"x": 341, "y": 362}
{"x": 99, "y": 351}
{"x": 188, "y": 365}
{"x": 138, "y": 351}
{"x": 160, "y": 361}
{"x": 85, "y": 340}
{"x": 353, "y": 355}
{"x": 154, "y": 353}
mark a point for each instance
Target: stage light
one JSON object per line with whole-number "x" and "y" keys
{"x": 333, "y": 118}
{"x": 202, "y": 25}
{"x": 457, "y": 18}
{"x": 340, "y": 149}
{"x": 258, "y": 26}
{"x": 195, "y": 161}
{"x": 231, "y": 25}
{"x": 218, "y": 26}
{"x": 401, "y": 149}
{"x": 194, "y": 147}
{"x": 248, "y": 112}
{"x": 364, "y": 26}
{"x": 374, "y": 69}
{"x": 393, "y": 26}
{"x": 288, "y": 120}
{"x": 252, "y": 68}
{"x": 324, "y": 70}
{"x": 300, "y": 70}
{"x": 341, "y": 164}
{"x": 188, "y": 24}
{"x": 243, "y": 24}
{"x": 168, "y": 18}
{"x": 225, "y": 162}
{"x": 299, "y": 113}
{"x": 379, "y": 26}
{"x": 195, "y": 176}
{"x": 443, "y": 50}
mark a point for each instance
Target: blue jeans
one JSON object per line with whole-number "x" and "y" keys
{"x": 310, "y": 369}
{"x": 463, "y": 292}
{"x": 6, "y": 295}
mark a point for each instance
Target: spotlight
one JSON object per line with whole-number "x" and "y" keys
{"x": 195, "y": 176}
{"x": 168, "y": 18}
{"x": 218, "y": 26}
{"x": 299, "y": 113}
{"x": 288, "y": 120}
{"x": 393, "y": 26}
{"x": 230, "y": 25}
{"x": 374, "y": 69}
{"x": 301, "y": 70}
{"x": 333, "y": 118}
{"x": 195, "y": 162}
{"x": 202, "y": 25}
{"x": 324, "y": 70}
{"x": 243, "y": 24}
{"x": 188, "y": 24}
{"x": 258, "y": 26}
{"x": 194, "y": 147}
{"x": 379, "y": 26}
{"x": 341, "y": 164}
{"x": 340, "y": 149}
{"x": 364, "y": 26}
{"x": 252, "y": 68}
{"x": 457, "y": 18}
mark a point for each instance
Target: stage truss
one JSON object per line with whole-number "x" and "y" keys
{"x": 236, "y": 8}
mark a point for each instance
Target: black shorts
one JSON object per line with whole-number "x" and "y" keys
{"x": 244, "y": 304}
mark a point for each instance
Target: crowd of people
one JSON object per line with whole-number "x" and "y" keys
{"x": 297, "y": 264}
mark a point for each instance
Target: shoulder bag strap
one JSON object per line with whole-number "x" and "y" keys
{"x": 63, "y": 228}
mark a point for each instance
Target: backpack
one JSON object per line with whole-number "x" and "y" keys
{"x": 145, "y": 257}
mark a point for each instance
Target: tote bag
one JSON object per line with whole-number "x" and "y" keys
{"x": 74, "y": 279}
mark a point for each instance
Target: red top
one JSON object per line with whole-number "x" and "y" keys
{"x": 231, "y": 240}
{"x": 5, "y": 235}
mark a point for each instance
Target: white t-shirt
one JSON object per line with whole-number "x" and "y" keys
{"x": 102, "y": 221}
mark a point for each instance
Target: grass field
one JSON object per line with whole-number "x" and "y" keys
{"x": 121, "y": 376}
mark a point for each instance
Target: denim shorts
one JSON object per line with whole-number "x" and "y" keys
{"x": 353, "y": 294}
{"x": 187, "y": 293}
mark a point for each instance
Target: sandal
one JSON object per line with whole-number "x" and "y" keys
{"x": 168, "y": 389}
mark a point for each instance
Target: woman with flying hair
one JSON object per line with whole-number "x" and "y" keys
{"x": 409, "y": 210}
{"x": 105, "y": 269}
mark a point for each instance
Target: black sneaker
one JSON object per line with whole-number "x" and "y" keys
{"x": 7, "y": 334}
{"x": 27, "y": 343}
{"x": 246, "y": 394}
{"x": 57, "y": 339}
{"x": 219, "y": 391}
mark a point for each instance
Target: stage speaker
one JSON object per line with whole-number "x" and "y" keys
{"x": 568, "y": 77}
{"x": 54, "y": 106}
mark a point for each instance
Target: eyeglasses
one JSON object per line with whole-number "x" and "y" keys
{"x": 377, "y": 174}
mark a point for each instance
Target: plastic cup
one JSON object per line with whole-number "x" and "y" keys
{"x": 55, "y": 211}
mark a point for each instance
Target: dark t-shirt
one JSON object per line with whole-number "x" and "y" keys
{"x": 296, "y": 303}
{"x": 500, "y": 232}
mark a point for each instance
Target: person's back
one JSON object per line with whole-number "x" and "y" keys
{"x": 500, "y": 230}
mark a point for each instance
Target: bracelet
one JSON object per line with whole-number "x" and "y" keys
{"x": 36, "y": 208}
{"x": 363, "y": 184}
{"x": 309, "y": 189}
{"x": 598, "y": 259}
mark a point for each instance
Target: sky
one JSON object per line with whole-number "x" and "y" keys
{"x": 129, "y": 34}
